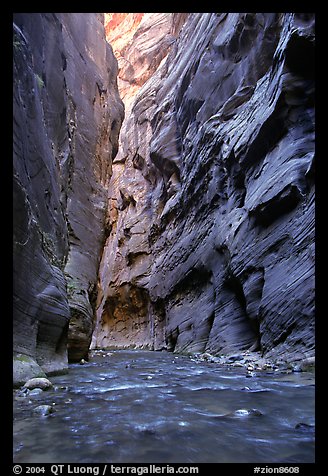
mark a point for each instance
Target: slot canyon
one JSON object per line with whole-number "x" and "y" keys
{"x": 163, "y": 196}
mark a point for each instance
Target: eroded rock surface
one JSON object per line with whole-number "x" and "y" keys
{"x": 67, "y": 115}
{"x": 203, "y": 211}
{"x": 210, "y": 242}
{"x": 140, "y": 41}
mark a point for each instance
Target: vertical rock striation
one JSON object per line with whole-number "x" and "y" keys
{"x": 94, "y": 115}
{"x": 140, "y": 41}
{"x": 124, "y": 316}
{"x": 202, "y": 213}
{"x": 67, "y": 115}
{"x": 210, "y": 241}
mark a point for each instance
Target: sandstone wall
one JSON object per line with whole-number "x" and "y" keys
{"x": 67, "y": 115}
{"x": 211, "y": 216}
{"x": 202, "y": 212}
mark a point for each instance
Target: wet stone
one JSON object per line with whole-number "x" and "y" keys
{"x": 235, "y": 357}
{"x": 305, "y": 427}
{"x": 22, "y": 393}
{"x": 297, "y": 368}
{"x": 242, "y": 412}
{"x": 60, "y": 388}
{"x": 35, "y": 391}
{"x": 43, "y": 410}
{"x": 42, "y": 383}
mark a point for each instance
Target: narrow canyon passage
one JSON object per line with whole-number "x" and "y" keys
{"x": 164, "y": 201}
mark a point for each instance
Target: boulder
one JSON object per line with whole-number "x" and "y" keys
{"x": 42, "y": 383}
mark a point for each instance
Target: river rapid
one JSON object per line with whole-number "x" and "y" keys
{"x": 158, "y": 407}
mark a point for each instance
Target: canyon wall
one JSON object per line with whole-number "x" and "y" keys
{"x": 194, "y": 230}
{"x": 140, "y": 41}
{"x": 67, "y": 116}
{"x": 210, "y": 222}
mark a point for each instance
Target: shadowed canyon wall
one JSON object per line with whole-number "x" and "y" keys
{"x": 67, "y": 116}
{"x": 191, "y": 227}
{"x": 211, "y": 202}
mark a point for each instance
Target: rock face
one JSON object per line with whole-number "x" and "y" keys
{"x": 67, "y": 115}
{"x": 141, "y": 50}
{"x": 140, "y": 41}
{"x": 202, "y": 213}
{"x": 211, "y": 202}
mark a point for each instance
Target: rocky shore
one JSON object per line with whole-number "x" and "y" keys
{"x": 254, "y": 361}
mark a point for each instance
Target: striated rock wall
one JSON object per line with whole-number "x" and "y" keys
{"x": 67, "y": 115}
{"x": 140, "y": 41}
{"x": 211, "y": 208}
{"x": 94, "y": 117}
{"x": 142, "y": 48}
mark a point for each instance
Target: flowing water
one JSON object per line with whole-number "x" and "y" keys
{"x": 157, "y": 407}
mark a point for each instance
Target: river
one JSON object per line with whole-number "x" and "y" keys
{"x": 158, "y": 407}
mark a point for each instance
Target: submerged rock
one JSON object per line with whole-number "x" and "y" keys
{"x": 43, "y": 410}
{"x": 60, "y": 388}
{"x": 35, "y": 392}
{"x": 242, "y": 412}
{"x": 305, "y": 427}
{"x": 235, "y": 357}
{"x": 297, "y": 368}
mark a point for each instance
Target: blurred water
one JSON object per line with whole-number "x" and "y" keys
{"x": 156, "y": 407}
